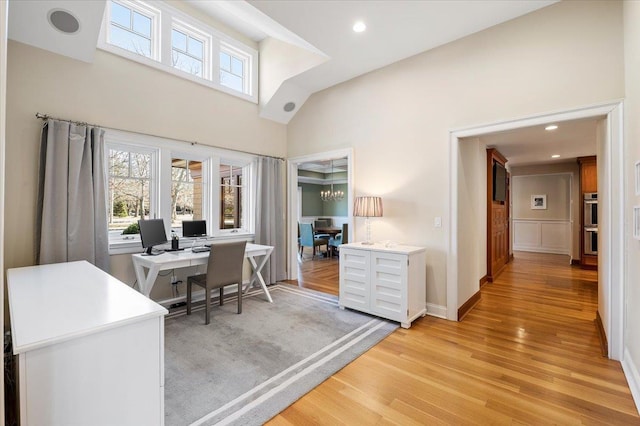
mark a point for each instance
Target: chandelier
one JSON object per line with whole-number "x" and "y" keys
{"x": 331, "y": 195}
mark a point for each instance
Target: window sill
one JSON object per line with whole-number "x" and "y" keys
{"x": 120, "y": 246}
{"x": 253, "y": 98}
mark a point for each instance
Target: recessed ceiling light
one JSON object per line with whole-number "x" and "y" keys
{"x": 555, "y": 156}
{"x": 63, "y": 21}
{"x": 551, "y": 127}
{"x": 359, "y": 27}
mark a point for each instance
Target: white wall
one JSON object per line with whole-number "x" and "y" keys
{"x": 472, "y": 202}
{"x": 631, "y": 362}
{"x": 544, "y": 230}
{"x": 574, "y": 170}
{"x": 118, "y": 93}
{"x": 555, "y": 186}
{"x": 280, "y": 61}
{"x": 398, "y": 118}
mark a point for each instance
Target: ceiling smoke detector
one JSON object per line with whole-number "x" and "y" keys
{"x": 289, "y": 106}
{"x": 63, "y": 21}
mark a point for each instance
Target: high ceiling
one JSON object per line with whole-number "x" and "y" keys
{"x": 395, "y": 30}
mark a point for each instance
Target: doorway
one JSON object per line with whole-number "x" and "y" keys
{"x": 293, "y": 202}
{"x": 462, "y": 260}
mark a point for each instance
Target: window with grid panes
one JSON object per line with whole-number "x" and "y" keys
{"x": 193, "y": 50}
{"x": 187, "y": 195}
{"x": 130, "y": 174}
{"x": 131, "y": 28}
{"x": 231, "y": 196}
{"x": 232, "y": 70}
{"x": 187, "y": 52}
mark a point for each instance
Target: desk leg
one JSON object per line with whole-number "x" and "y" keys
{"x": 257, "y": 275}
{"x": 145, "y": 283}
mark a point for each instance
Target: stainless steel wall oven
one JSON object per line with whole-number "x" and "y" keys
{"x": 591, "y": 223}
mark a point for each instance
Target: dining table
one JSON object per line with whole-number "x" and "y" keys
{"x": 330, "y": 230}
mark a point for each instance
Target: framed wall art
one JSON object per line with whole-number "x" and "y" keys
{"x": 539, "y": 202}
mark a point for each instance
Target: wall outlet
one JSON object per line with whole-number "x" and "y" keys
{"x": 437, "y": 222}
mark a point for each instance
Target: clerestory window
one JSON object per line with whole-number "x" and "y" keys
{"x": 163, "y": 37}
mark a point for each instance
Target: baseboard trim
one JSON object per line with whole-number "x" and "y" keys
{"x": 484, "y": 280}
{"x": 575, "y": 262}
{"x": 468, "y": 305}
{"x": 604, "y": 344}
{"x": 549, "y": 250}
{"x": 633, "y": 378}
{"x": 437, "y": 311}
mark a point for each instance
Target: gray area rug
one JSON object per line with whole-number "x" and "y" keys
{"x": 245, "y": 369}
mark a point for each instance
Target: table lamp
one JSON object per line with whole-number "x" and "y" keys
{"x": 368, "y": 207}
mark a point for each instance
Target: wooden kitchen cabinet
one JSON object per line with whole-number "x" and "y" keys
{"x": 588, "y": 174}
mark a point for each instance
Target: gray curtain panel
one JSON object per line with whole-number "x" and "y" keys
{"x": 270, "y": 218}
{"x": 72, "y": 209}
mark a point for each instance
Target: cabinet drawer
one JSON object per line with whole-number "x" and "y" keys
{"x": 354, "y": 279}
{"x": 389, "y": 282}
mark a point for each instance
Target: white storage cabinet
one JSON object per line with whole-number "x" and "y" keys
{"x": 389, "y": 282}
{"x": 90, "y": 348}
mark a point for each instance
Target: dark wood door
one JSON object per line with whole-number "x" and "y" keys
{"x": 497, "y": 220}
{"x": 499, "y": 237}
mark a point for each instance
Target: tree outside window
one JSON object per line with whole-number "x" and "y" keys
{"x": 129, "y": 178}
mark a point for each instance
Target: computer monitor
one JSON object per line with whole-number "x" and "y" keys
{"x": 152, "y": 234}
{"x": 194, "y": 228}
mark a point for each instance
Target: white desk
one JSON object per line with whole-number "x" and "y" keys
{"x": 186, "y": 258}
{"x": 90, "y": 349}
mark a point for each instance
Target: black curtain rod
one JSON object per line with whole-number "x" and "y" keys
{"x": 82, "y": 123}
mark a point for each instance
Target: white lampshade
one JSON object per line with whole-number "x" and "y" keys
{"x": 368, "y": 207}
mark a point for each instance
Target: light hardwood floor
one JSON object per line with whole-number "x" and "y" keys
{"x": 528, "y": 353}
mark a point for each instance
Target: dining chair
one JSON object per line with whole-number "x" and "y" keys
{"x": 307, "y": 239}
{"x": 319, "y": 224}
{"x": 340, "y": 238}
{"x": 223, "y": 268}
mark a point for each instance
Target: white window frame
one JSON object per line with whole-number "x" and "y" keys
{"x": 170, "y": 17}
{"x": 201, "y": 36}
{"x": 154, "y": 189}
{"x": 248, "y": 195}
{"x": 143, "y": 9}
{"x": 247, "y": 65}
{"x": 206, "y": 186}
{"x": 163, "y": 151}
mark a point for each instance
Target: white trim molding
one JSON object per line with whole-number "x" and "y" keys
{"x": 292, "y": 200}
{"x": 611, "y": 271}
{"x": 438, "y": 311}
{"x": 633, "y": 378}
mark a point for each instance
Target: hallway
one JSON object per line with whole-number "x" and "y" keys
{"x": 528, "y": 353}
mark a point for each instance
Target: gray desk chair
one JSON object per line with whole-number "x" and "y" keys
{"x": 224, "y": 268}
